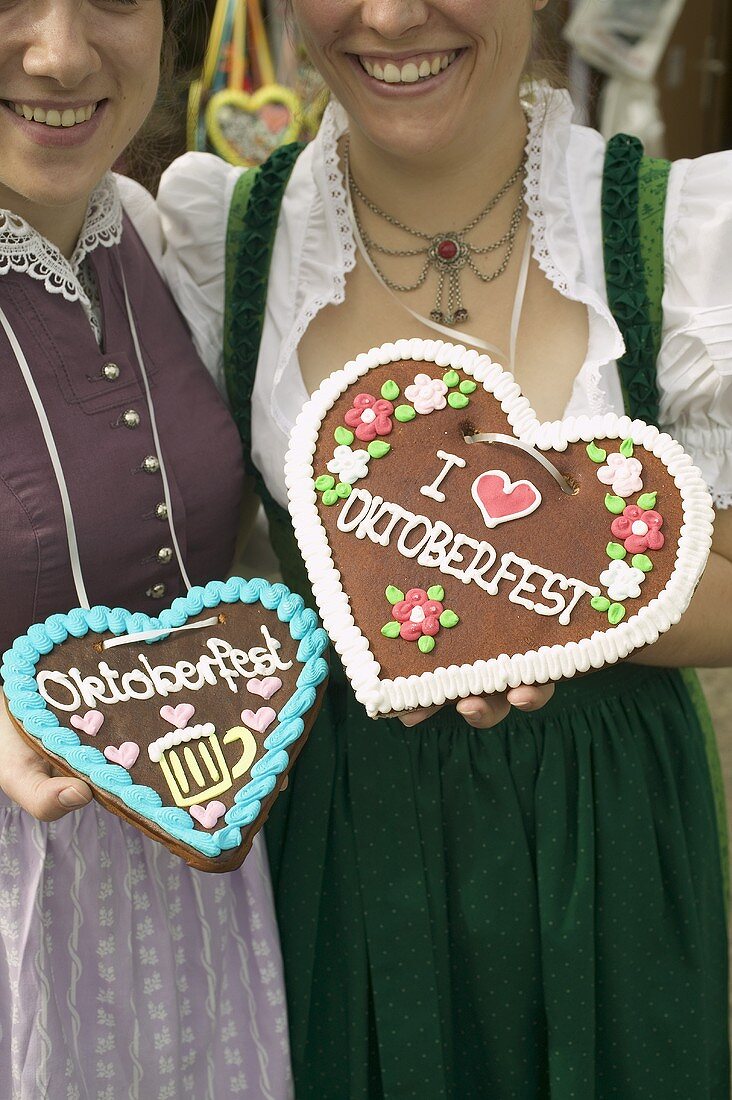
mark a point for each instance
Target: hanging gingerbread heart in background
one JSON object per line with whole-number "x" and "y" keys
{"x": 458, "y": 546}
{"x": 244, "y": 129}
{"x": 237, "y": 109}
{"x": 164, "y": 718}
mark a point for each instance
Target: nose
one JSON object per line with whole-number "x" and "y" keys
{"x": 60, "y": 46}
{"x": 394, "y": 18}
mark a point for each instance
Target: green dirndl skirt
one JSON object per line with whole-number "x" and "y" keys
{"x": 520, "y": 913}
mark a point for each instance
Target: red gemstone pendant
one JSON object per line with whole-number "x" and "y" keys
{"x": 447, "y": 249}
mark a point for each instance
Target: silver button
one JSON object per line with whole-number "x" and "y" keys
{"x": 156, "y": 592}
{"x": 161, "y": 511}
{"x": 165, "y": 554}
{"x": 130, "y": 418}
{"x": 110, "y": 371}
{"x": 150, "y": 464}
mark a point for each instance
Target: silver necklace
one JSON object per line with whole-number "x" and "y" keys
{"x": 447, "y": 253}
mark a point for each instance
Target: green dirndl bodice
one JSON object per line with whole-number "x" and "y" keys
{"x": 526, "y": 912}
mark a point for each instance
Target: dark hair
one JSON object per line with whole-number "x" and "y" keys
{"x": 162, "y": 135}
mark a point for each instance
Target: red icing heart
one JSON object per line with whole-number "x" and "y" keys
{"x": 501, "y": 499}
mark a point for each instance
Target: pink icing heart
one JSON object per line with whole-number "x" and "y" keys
{"x": 178, "y": 716}
{"x": 88, "y": 723}
{"x": 501, "y": 499}
{"x": 125, "y": 755}
{"x": 260, "y": 719}
{"x": 267, "y": 687}
{"x": 208, "y": 815}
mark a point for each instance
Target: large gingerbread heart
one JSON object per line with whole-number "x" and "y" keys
{"x": 244, "y": 129}
{"x": 445, "y": 567}
{"x": 188, "y": 731}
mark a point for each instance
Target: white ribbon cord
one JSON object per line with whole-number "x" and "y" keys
{"x": 156, "y": 438}
{"x": 451, "y": 333}
{"x": 148, "y": 635}
{"x": 510, "y": 441}
{"x": 55, "y": 461}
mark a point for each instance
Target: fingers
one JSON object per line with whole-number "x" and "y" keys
{"x": 530, "y": 698}
{"x": 484, "y": 711}
{"x": 26, "y": 778}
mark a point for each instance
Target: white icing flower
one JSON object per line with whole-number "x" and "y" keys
{"x": 622, "y": 581}
{"x": 427, "y": 394}
{"x": 350, "y": 465}
{"x": 623, "y": 474}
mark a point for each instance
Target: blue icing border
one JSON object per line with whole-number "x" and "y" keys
{"x": 26, "y": 704}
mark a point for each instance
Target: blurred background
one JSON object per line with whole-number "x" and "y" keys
{"x": 661, "y": 69}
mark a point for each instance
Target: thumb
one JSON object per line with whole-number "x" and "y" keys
{"x": 26, "y": 778}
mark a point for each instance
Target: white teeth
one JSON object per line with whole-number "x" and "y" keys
{"x": 54, "y": 118}
{"x": 409, "y": 73}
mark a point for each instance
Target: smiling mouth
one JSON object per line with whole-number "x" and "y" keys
{"x": 408, "y": 72}
{"x": 65, "y": 118}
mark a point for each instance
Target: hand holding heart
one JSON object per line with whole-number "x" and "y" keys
{"x": 29, "y": 780}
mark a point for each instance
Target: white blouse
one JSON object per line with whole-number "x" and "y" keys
{"x": 315, "y": 249}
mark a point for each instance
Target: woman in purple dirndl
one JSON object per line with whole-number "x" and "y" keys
{"x": 123, "y": 973}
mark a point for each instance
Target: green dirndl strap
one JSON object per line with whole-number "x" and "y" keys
{"x": 633, "y": 203}
{"x": 633, "y": 206}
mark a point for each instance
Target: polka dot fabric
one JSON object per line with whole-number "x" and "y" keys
{"x": 521, "y": 913}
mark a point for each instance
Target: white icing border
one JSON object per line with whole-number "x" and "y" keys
{"x": 536, "y": 666}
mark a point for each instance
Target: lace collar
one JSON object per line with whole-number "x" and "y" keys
{"x": 23, "y": 249}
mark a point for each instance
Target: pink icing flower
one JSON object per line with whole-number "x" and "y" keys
{"x": 427, "y": 394}
{"x": 418, "y": 615}
{"x": 370, "y": 417}
{"x": 639, "y": 530}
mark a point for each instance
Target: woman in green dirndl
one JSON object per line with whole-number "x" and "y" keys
{"x": 518, "y": 897}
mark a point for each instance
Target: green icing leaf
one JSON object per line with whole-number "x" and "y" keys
{"x": 330, "y": 496}
{"x": 343, "y": 436}
{"x": 614, "y": 504}
{"x": 325, "y": 481}
{"x": 615, "y": 550}
{"x": 595, "y": 453}
{"x": 451, "y": 378}
{"x": 436, "y": 592}
{"x": 600, "y": 603}
{"x": 642, "y": 562}
{"x": 390, "y": 391}
{"x": 378, "y": 448}
{"x": 616, "y": 614}
{"x": 394, "y": 595}
{"x": 448, "y": 619}
{"x": 404, "y": 413}
{"x": 457, "y": 400}
{"x": 426, "y": 644}
{"x": 391, "y": 630}
{"x": 647, "y": 501}
{"x": 468, "y": 386}
{"x": 343, "y": 490}
{"x": 626, "y": 448}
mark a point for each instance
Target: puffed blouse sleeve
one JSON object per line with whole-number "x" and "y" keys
{"x": 695, "y": 363}
{"x": 193, "y": 200}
